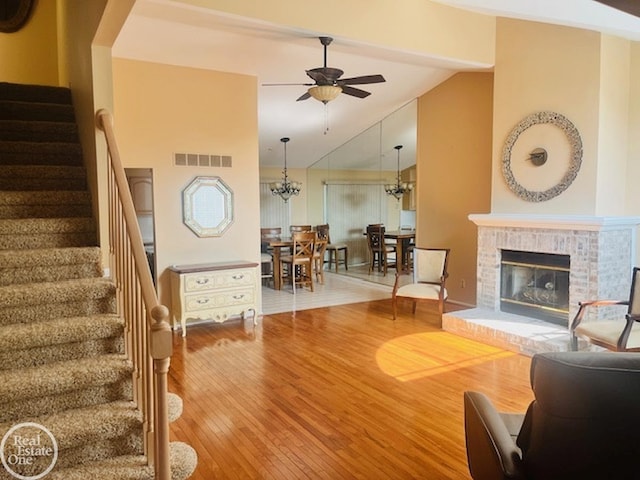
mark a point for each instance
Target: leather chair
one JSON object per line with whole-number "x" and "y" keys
{"x": 584, "y": 422}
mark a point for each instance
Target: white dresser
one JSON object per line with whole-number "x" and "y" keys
{"x": 214, "y": 291}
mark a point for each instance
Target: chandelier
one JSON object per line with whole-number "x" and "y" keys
{"x": 285, "y": 188}
{"x": 400, "y": 187}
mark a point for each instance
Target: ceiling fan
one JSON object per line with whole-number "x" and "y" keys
{"x": 328, "y": 84}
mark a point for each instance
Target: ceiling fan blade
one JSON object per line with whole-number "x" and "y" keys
{"x": 362, "y": 80}
{"x": 287, "y": 84}
{"x": 303, "y": 97}
{"x": 355, "y": 92}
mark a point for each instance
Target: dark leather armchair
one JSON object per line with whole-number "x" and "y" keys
{"x": 583, "y": 424}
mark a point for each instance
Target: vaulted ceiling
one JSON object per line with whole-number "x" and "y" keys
{"x": 175, "y": 33}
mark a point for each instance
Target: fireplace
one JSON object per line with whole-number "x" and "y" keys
{"x": 601, "y": 253}
{"x": 535, "y": 284}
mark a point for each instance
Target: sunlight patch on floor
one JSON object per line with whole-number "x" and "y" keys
{"x": 430, "y": 353}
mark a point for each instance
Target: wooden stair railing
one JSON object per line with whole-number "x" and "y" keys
{"x": 148, "y": 333}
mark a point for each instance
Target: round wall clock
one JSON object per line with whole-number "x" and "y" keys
{"x": 541, "y": 156}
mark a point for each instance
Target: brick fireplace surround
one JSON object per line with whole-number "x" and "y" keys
{"x": 601, "y": 251}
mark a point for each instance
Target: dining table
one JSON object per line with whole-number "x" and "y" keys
{"x": 403, "y": 239}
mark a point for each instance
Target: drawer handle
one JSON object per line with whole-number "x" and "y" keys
{"x": 239, "y": 296}
{"x": 202, "y": 301}
{"x": 202, "y": 281}
{"x": 238, "y": 276}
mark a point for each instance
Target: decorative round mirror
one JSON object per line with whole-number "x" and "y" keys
{"x": 14, "y": 14}
{"x": 207, "y": 206}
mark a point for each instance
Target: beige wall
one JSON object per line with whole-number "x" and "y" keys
{"x": 547, "y": 67}
{"x": 454, "y": 173}
{"x": 30, "y": 55}
{"x": 632, "y": 203}
{"x": 163, "y": 109}
{"x": 415, "y": 25}
{"x": 613, "y": 141}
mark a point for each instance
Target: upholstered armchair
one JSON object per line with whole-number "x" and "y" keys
{"x": 584, "y": 423}
{"x": 621, "y": 333}
{"x": 428, "y": 282}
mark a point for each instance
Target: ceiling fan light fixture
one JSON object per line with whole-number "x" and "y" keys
{"x": 325, "y": 93}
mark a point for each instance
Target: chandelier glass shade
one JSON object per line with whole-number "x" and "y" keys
{"x": 285, "y": 189}
{"x": 398, "y": 189}
{"x": 325, "y": 93}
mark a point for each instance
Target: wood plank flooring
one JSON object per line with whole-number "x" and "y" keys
{"x": 340, "y": 392}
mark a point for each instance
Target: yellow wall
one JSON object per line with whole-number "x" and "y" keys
{"x": 547, "y": 67}
{"x": 612, "y": 156}
{"x": 163, "y": 109}
{"x": 454, "y": 173}
{"x": 415, "y": 25}
{"x": 30, "y": 55}
{"x": 632, "y": 203}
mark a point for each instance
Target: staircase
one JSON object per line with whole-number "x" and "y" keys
{"x": 62, "y": 349}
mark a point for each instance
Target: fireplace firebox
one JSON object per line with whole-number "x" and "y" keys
{"x": 536, "y": 285}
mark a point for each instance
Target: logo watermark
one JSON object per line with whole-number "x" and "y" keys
{"x": 28, "y": 451}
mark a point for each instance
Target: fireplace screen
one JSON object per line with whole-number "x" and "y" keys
{"x": 535, "y": 285}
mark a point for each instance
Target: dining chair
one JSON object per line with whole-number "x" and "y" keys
{"x": 318, "y": 258}
{"x": 333, "y": 249}
{"x": 300, "y": 262}
{"x": 379, "y": 251}
{"x": 619, "y": 333}
{"x": 299, "y": 228}
{"x": 266, "y": 252}
{"x": 429, "y": 277}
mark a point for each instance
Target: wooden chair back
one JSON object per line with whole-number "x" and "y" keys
{"x": 299, "y": 228}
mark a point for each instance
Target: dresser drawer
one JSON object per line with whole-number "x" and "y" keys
{"x": 206, "y": 301}
{"x": 196, "y": 282}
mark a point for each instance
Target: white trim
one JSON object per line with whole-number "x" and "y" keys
{"x": 557, "y": 222}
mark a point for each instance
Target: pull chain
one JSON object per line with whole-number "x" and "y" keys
{"x": 326, "y": 117}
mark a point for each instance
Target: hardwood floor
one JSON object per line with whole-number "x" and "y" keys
{"x": 341, "y": 392}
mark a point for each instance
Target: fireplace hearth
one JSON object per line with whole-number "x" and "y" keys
{"x": 535, "y": 285}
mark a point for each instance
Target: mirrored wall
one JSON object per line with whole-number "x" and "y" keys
{"x": 346, "y": 187}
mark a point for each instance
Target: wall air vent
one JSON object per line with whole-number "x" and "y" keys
{"x": 201, "y": 160}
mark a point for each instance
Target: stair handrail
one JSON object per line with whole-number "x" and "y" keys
{"x": 149, "y": 338}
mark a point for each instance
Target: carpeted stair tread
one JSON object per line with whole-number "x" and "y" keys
{"x": 43, "y": 177}
{"x": 55, "y": 292}
{"x": 175, "y": 406}
{"x": 45, "y": 204}
{"x": 88, "y": 434}
{"x": 48, "y": 256}
{"x": 60, "y": 331}
{"x": 183, "y": 460}
{"x": 46, "y": 112}
{"x": 49, "y": 265}
{"x": 31, "y": 226}
{"x": 56, "y": 378}
{"x": 36, "y": 171}
{"x": 38, "y": 131}
{"x": 39, "y": 198}
{"x": 39, "y": 148}
{"x": 89, "y": 424}
{"x": 34, "y": 93}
